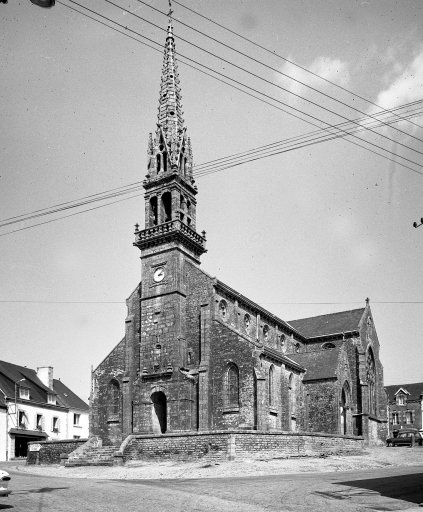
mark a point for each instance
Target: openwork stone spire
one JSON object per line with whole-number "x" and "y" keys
{"x": 170, "y": 151}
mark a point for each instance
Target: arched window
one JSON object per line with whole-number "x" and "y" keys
{"x": 371, "y": 381}
{"x": 266, "y": 332}
{"x": 114, "y": 398}
{"x": 223, "y": 308}
{"x": 232, "y": 386}
{"x": 167, "y": 207}
{"x": 344, "y": 409}
{"x": 153, "y": 211}
{"x": 271, "y": 385}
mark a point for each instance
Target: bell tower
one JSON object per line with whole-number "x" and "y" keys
{"x": 170, "y": 189}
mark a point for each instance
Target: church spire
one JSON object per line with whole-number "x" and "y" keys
{"x": 169, "y": 152}
{"x": 170, "y": 190}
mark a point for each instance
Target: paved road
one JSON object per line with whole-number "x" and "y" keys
{"x": 359, "y": 491}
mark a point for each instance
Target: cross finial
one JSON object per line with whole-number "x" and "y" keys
{"x": 170, "y": 9}
{"x": 367, "y": 301}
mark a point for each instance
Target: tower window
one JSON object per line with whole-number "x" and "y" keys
{"x": 266, "y": 332}
{"x": 159, "y": 162}
{"x": 167, "y": 206}
{"x": 153, "y": 211}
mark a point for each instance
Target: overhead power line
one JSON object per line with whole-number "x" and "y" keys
{"x": 205, "y": 169}
{"x": 261, "y": 63}
{"x": 260, "y": 77}
{"x": 328, "y": 125}
{"x": 274, "y": 54}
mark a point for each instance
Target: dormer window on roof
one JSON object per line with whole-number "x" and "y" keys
{"x": 401, "y": 399}
{"x": 51, "y": 398}
{"x": 24, "y": 393}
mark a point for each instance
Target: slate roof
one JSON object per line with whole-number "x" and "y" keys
{"x": 415, "y": 389}
{"x": 321, "y": 364}
{"x": 11, "y": 373}
{"x": 68, "y": 397}
{"x": 334, "y": 323}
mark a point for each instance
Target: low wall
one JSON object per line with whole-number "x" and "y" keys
{"x": 50, "y": 451}
{"x": 228, "y": 445}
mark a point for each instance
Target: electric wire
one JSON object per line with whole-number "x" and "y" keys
{"x": 137, "y": 186}
{"x": 271, "y": 147}
{"x": 260, "y": 77}
{"x": 283, "y": 58}
{"x": 136, "y": 183}
{"x": 260, "y": 63}
{"x": 270, "y": 97}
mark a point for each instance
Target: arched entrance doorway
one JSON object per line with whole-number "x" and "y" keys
{"x": 159, "y": 412}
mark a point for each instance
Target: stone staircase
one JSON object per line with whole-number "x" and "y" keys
{"x": 92, "y": 456}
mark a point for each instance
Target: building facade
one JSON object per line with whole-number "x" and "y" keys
{"x": 199, "y": 356}
{"x": 36, "y": 407}
{"x": 405, "y": 406}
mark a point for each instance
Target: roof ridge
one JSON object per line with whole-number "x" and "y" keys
{"x": 327, "y": 314}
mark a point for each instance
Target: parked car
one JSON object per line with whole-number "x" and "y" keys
{"x": 4, "y": 483}
{"x": 405, "y": 437}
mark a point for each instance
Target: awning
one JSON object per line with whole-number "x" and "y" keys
{"x": 27, "y": 433}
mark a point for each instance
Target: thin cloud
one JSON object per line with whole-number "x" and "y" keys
{"x": 334, "y": 70}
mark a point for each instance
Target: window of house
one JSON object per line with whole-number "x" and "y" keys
{"x": 401, "y": 400}
{"x": 51, "y": 398}
{"x": 232, "y": 386}
{"x": 55, "y": 424}
{"x": 24, "y": 393}
{"x": 22, "y": 419}
{"x": 395, "y": 418}
{"x": 409, "y": 417}
{"x": 39, "y": 422}
{"x": 76, "y": 419}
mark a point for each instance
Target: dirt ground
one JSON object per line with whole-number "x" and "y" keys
{"x": 370, "y": 458}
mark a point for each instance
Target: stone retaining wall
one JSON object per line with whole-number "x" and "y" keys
{"x": 228, "y": 445}
{"x": 51, "y": 451}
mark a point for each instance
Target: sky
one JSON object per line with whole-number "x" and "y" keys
{"x": 306, "y": 232}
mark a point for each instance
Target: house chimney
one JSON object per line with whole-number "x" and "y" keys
{"x": 45, "y": 374}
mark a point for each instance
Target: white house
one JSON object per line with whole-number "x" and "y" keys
{"x": 36, "y": 407}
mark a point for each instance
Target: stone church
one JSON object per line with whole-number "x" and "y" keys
{"x": 199, "y": 356}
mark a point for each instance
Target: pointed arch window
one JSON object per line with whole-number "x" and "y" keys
{"x": 232, "y": 387}
{"x": 166, "y": 207}
{"x": 371, "y": 381}
{"x": 153, "y": 211}
{"x": 114, "y": 399}
{"x": 271, "y": 386}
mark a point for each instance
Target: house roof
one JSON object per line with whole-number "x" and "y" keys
{"x": 11, "y": 373}
{"x": 415, "y": 390}
{"x": 334, "y": 323}
{"x": 322, "y": 364}
{"x": 68, "y": 397}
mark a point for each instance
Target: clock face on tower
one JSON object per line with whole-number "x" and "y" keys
{"x": 159, "y": 274}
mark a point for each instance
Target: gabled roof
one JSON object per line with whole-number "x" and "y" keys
{"x": 12, "y": 373}
{"x": 334, "y": 323}
{"x": 320, "y": 365}
{"x": 68, "y": 397}
{"x": 415, "y": 390}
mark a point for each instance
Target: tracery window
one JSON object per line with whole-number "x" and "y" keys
{"x": 371, "y": 381}
{"x": 114, "y": 398}
{"x": 223, "y": 309}
{"x": 232, "y": 386}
